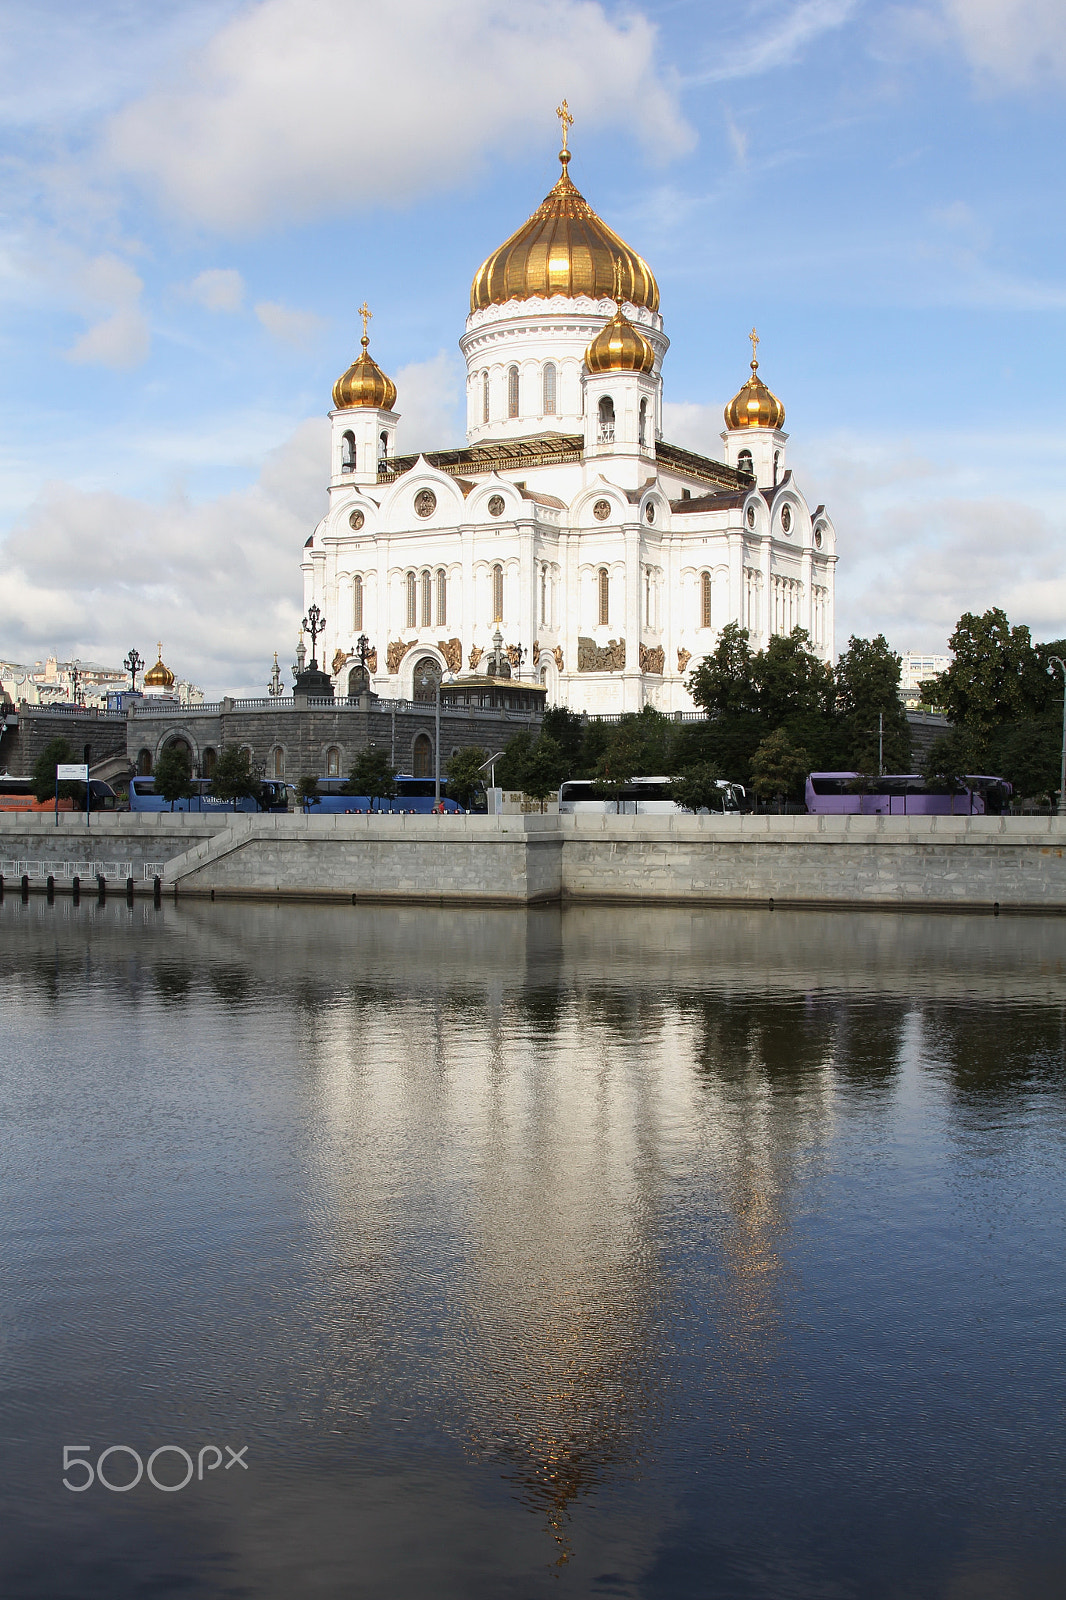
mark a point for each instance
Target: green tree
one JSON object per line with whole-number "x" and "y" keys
{"x": 724, "y": 682}
{"x": 779, "y": 768}
{"x": 56, "y": 753}
{"x": 511, "y": 765}
{"x": 307, "y": 791}
{"x": 372, "y": 774}
{"x": 619, "y": 761}
{"x": 568, "y": 731}
{"x": 698, "y": 790}
{"x": 867, "y": 685}
{"x": 173, "y": 773}
{"x": 951, "y": 757}
{"x": 233, "y": 778}
{"x": 544, "y": 769}
{"x": 995, "y": 675}
{"x": 1028, "y": 755}
{"x": 465, "y": 777}
{"x": 792, "y": 681}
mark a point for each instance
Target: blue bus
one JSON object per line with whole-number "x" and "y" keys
{"x": 273, "y": 796}
{"x": 413, "y": 797}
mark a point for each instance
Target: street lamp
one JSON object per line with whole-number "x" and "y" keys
{"x": 1062, "y": 769}
{"x": 314, "y": 623}
{"x": 275, "y": 688}
{"x": 133, "y": 664}
{"x": 75, "y": 682}
{"x": 427, "y": 678}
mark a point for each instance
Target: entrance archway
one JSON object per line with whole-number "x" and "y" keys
{"x": 422, "y": 756}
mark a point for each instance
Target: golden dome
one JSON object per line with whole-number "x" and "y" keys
{"x": 619, "y": 347}
{"x": 564, "y": 249}
{"x": 364, "y": 383}
{"x": 755, "y": 406}
{"x": 159, "y": 676}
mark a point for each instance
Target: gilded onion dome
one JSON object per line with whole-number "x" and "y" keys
{"x": 564, "y": 249}
{"x": 755, "y": 406}
{"x": 159, "y": 676}
{"x": 364, "y": 383}
{"x": 619, "y": 347}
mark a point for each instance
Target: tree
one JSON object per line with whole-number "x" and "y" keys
{"x": 568, "y": 731}
{"x": 1028, "y": 755}
{"x": 373, "y": 775}
{"x": 56, "y": 753}
{"x": 173, "y": 773}
{"x": 465, "y": 777}
{"x": 792, "y": 681}
{"x": 233, "y": 778}
{"x": 307, "y": 791}
{"x": 725, "y": 680}
{"x": 950, "y": 758}
{"x": 867, "y": 685}
{"x": 698, "y": 789}
{"x": 778, "y": 767}
{"x": 512, "y": 763}
{"x": 995, "y": 675}
{"x": 544, "y": 769}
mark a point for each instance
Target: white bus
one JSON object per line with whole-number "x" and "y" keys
{"x": 641, "y": 797}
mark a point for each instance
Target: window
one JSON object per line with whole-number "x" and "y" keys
{"x": 512, "y": 391}
{"x": 333, "y": 762}
{"x": 497, "y": 594}
{"x": 357, "y": 603}
{"x": 422, "y": 756}
{"x": 278, "y": 760}
{"x": 144, "y": 763}
{"x": 777, "y": 463}
{"x": 605, "y": 597}
{"x": 208, "y": 762}
{"x": 383, "y": 448}
{"x": 606, "y": 415}
{"x": 543, "y": 594}
{"x": 484, "y": 397}
{"x": 549, "y": 388}
{"x": 442, "y": 598}
{"x": 745, "y": 463}
{"x": 705, "y": 599}
{"x": 642, "y": 423}
{"x": 647, "y": 597}
{"x": 427, "y": 600}
{"x": 348, "y": 452}
{"x": 411, "y": 600}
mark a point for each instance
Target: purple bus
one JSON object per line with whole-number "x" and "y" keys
{"x": 907, "y": 794}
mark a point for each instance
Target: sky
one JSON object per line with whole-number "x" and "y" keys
{"x": 197, "y": 195}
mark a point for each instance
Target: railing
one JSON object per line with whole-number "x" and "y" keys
{"x": 605, "y": 434}
{"x": 120, "y": 870}
{"x": 64, "y": 709}
{"x": 146, "y": 709}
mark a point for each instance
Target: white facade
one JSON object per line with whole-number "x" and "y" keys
{"x": 608, "y": 558}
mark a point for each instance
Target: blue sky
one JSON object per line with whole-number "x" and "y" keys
{"x": 198, "y": 195}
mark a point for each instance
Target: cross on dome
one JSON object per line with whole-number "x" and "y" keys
{"x": 567, "y": 122}
{"x": 366, "y": 314}
{"x": 754, "y": 337}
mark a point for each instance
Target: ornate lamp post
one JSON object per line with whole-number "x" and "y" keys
{"x": 275, "y": 688}
{"x": 75, "y": 682}
{"x": 426, "y": 680}
{"x": 133, "y": 664}
{"x": 314, "y": 624}
{"x": 520, "y": 654}
{"x": 362, "y": 651}
{"x": 301, "y": 656}
{"x": 1062, "y": 769}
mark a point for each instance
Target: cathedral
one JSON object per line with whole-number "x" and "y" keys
{"x": 567, "y": 543}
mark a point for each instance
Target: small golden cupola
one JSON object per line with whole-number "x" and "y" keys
{"x": 159, "y": 676}
{"x": 563, "y": 249}
{"x": 619, "y": 347}
{"x": 755, "y": 406}
{"x": 364, "y": 383}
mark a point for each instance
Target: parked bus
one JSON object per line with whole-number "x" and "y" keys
{"x": 413, "y": 797}
{"x": 850, "y": 794}
{"x": 16, "y": 794}
{"x": 273, "y": 796}
{"x": 641, "y": 797}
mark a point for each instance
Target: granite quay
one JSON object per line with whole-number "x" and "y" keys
{"x": 1008, "y": 864}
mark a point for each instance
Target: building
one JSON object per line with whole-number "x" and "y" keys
{"x": 914, "y": 671}
{"x": 608, "y": 558}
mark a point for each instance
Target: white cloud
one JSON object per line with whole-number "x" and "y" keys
{"x": 293, "y": 327}
{"x": 217, "y": 289}
{"x": 429, "y": 397}
{"x": 1011, "y": 43}
{"x": 268, "y": 124}
{"x": 694, "y": 427}
{"x": 776, "y": 41}
{"x": 120, "y": 341}
{"x": 90, "y": 572}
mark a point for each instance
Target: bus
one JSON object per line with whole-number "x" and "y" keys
{"x": 906, "y": 794}
{"x": 641, "y": 797}
{"x": 273, "y": 796}
{"x": 413, "y": 797}
{"x": 16, "y": 794}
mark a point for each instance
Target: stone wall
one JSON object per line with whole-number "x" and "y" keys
{"x": 92, "y": 736}
{"x": 32, "y": 842}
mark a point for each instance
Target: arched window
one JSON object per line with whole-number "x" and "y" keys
{"x": 422, "y": 756}
{"x": 484, "y": 397}
{"x": 544, "y": 593}
{"x": 744, "y": 462}
{"x": 357, "y": 603}
{"x": 442, "y": 597}
{"x": 383, "y": 449}
{"x": 549, "y": 388}
{"x": 348, "y": 452}
{"x": 606, "y": 415}
{"x": 777, "y": 463}
{"x": 333, "y": 762}
{"x": 425, "y": 678}
{"x": 512, "y": 391}
{"x": 642, "y": 423}
{"x": 705, "y": 599}
{"x": 278, "y": 760}
{"x": 497, "y": 594}
{"x": 208, "y": 762}
{"x": 427, "y": 600}
{"x": 647, "y": 597}
{"x": 605, "y": 597}
{"x": 144, "y": 763}
{"x": 412, "y": 612}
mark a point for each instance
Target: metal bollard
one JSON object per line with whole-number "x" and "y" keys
{"x": 76, "y": 888}
{"x": 25, "y": 886}
{"x": 1, "y": 886}
{"x": 101, "y": 887}
{"x": 157, "y": 890}
{"x": 129, "y": 891}
{"x": 50, "y": 888}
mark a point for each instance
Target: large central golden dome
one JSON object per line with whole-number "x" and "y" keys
{"x": 564, "y": 248}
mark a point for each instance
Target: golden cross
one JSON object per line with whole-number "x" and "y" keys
{"x": 160, "y": 648}
{"x": 366, "y": 314}
{"x": 754, "y": 337}
{"x": 567, "y": 121}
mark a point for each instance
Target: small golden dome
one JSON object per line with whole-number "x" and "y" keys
{"x": 364, "y": 383}
{"x": 159, "y": 676}
{"x": 619, "y": 347}
{"x": 564, "y": 249}
{"x": 755, "y": 406}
